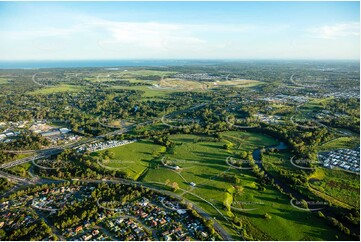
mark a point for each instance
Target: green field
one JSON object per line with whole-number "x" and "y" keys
{"x": 340, "y": 185}
{"x": 316, "y": 103}
{"x": 248, "y": 141}
{"x": 126, "y": 75}
{"x": 286, "y": 223}
{"x": 339, "y": 143}
{"x": 274, "y": 162}
{"x": 148, "y": 92}
{"x": 335, "y": 186}
{"x": 3, "y": 80}
{"x": 59, "y": 88}
{"x": 22, "y": 170}
{"x": 203, "y": 162}
{"x": 140, "y": 73}
{"x": 133, "y": 158}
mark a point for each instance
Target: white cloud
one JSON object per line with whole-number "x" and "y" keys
{"x": 336, "y": 30}
{"x": 159, "y": 36}
{"x": 132, "y": 38}
{"x": 91, "y": 37}
{"x": 152, "y": 35}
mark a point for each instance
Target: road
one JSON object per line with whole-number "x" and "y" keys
{"x": 331, "y": 129}
{"x": 56, "y": 150}
{"x": 200, "y": 211}
{"x": 178, "y": 112}
{"x": 41, "y": 154}
{"x": 49, "y": 152}
{"x": 16, "y": 179}
{"x": 25, "y": 182}
{"x": 53, "y": 151}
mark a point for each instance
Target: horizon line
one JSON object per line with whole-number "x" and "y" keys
{"x": 189, "y": 59}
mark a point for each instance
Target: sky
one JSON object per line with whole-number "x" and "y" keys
{"x": 179, "y": 30}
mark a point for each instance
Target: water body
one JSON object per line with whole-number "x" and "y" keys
{"x": 101, "y": 63}
{"x": 257, "y": 153}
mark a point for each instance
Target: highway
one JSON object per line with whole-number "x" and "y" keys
{"x": 53, "y": 151}
{"x": 16, "y": 179}
{"x": 56, "y": 150}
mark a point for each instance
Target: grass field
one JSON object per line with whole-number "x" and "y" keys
{"x": 237, "y": 83}
{"x": 316, "y": 103}
{"x": 140, "y": 73}
{"x": 286, "y": 223}
{"x": 274, "y": 162}
{"x": 170, "y": 85}
{"x": 3, "y": 80}
{"x": 339, "y": 143}
{"x": 22, "y": 170}
{"x": 203, "y": 162}
{"x": 125, "y": 75}
{"x": 59, "y": 88}
{"x": 340, "y": 185}
{"x": 248, "y": 141}
{"x": 181, "y": 84}
{"x": 133, "y": 158}
{"x": 149, "y": 93}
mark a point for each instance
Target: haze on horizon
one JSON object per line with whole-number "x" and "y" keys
{"x": 179, "y": 30}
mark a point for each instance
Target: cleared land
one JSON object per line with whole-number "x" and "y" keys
{"x": 133, "y": 158}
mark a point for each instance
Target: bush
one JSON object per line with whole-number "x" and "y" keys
{"x": 320, "y": 214}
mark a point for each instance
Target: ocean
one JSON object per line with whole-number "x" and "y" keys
{"x": 100, "y": 63}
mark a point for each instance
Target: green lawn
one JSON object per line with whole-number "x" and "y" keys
{"x": 133, "y": 158}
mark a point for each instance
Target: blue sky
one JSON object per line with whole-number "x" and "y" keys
{"x": 179, "y": 30}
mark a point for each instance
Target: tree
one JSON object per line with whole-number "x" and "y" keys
{"x": 304, "y": 203}
{"x": 175, "y": 186}
{"x": 239, "y": 190}
{"x": 237, "y": 221}
{"x": 320, "y": 214}
{"x": 243, "y": 154}
{"x": 267, "y": 216}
